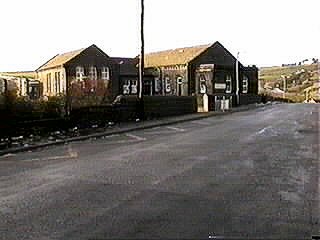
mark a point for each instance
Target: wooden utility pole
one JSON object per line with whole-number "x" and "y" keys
{"x": 140, "y": 107}
{"x": 237, "y": 79}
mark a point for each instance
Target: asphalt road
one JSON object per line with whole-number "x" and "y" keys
{"x": 251, "y": 174}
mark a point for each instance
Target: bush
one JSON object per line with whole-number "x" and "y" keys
{"x": 54, "y": 107}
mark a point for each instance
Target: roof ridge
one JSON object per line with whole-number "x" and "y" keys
{"x": 67, "y": 55}
{"x": 69, "y": 52}
{"x": 180, "y": 48}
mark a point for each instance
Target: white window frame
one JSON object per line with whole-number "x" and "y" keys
{"x": 105, "y": 73}
{"x": 202, "y": 83}
{"x": 48, "y": 76}
{"x": 134, "y": 86}
{"x": 126, "y": 87}
{"x": 228, "y": 80}
{"x": 168, "y": 84}
{"x": 245, "y": 85}
{"x": 180, "y": 84}
{"x": 57, "y": 82}
{"x": 157, "y": 85}
{"x": 79, "y": 73}
{"x": 179, "y": 80}
{"x": 93, "y": 75}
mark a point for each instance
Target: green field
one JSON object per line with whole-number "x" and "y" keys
{"x": 274, "y": 73}
{"x": 298, "y": 78}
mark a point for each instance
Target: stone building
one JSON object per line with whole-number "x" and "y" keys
{"x": 85, "y": 74}
{"x": 206, "y": 69}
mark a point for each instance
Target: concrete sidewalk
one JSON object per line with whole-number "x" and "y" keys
{"x": 132, "y": 126}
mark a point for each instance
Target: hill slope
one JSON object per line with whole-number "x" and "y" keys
{"x": 294, "y": 80}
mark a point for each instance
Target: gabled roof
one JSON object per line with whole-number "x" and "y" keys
{"x": 174, "y": 56}
{"x": 63, "y": 58}
{"x": 60, "y": 59}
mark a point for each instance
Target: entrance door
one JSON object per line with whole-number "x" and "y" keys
{"x": 147, "y": 87}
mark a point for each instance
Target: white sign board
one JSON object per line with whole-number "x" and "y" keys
{"x": 220, "y": 86}
{"x": 211, "y": 66}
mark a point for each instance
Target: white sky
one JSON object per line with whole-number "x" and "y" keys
{"x": 265, "y": 32}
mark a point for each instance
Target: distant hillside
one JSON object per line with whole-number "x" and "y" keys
{"x": 25, "y": 74}
{"x": 295, "y": 80}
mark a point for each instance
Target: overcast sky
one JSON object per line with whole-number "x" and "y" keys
{"x": 265, "y": 32}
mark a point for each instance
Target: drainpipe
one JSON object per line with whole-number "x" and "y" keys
{"x": 162, "y": 81}
{"x": 160, "y": 78}
{"x": 187, "y": 78}
{"x": 67, "y": 103}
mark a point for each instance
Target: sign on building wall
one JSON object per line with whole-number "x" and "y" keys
{"x": 206, "y": 66}
{"x": 220, "y": 86}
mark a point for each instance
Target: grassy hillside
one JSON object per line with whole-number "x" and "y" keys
{"x": 294, "y": 80}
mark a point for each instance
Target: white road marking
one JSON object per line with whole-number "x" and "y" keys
{"x": 157, "y": 132}
{"x": 263, "y": 130}
{"x": 136, "y": 137}
{"x": 7, "y": 155}
{"x": 111, "y": 136}
{"x": 201, "y": 123}
{"x": 176, "y": 129}
{"x": 71, "y": 154}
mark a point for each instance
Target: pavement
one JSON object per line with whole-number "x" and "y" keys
{"x": 247, "y": 175}
{"x": 124, "y": 128}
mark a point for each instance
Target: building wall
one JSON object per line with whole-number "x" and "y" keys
{"x": 224, "y": 65}
{"x": 252, "y": 74}
{"x": 224, "y": 68}
{"x": 2, "y": 85}
{"x": 51, "y": 85}
{"x": 170, "y": 76}
{"x": 99, "y": 90}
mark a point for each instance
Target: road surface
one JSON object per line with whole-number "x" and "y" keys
{"x": 251, "y": 174}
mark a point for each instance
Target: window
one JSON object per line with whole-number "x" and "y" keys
{"x": 168, "y": 86}
{"x": 126, "y": 87}
{"x": 228, "y": 84}
{"x": 245, "y": 84}
{"x": 134, "y": 85}
{"x": 57, "y": 82}
{"x": 157, "y": 85}
{"x": 48, "y": 82}
{"x": 62, "y": 83}
{"x": 93, "y": 73}
{"x": 93, "y": 76}
{"x": 202, "y": 82}
{"x": 79, "y": 74}
{"x": 179, "y": 86}
{"x": 105, "y": 73}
